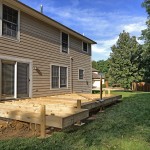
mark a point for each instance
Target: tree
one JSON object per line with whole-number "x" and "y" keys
{"x": 102, "y": 66}
{"x": 94, "y": 64}
{"x": 146, "y": 46}
{"x": 125, "y": 61}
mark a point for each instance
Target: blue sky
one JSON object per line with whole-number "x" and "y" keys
{"x": 100, "y": 20}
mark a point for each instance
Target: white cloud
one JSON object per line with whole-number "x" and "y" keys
{"x": 134, "y": 27}
{"x": 98, "y": 49}
{"x": 103, "y": 49}
{"x": 103, "y": 27}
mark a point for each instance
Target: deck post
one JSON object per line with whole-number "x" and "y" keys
{"x": 101, "y": 90}
{"x": 104, "y": 93}
{"x": 79, "y": 104}
{"x": 79, "y": 123}
{"x": 108, "y": 91}
{"x": 101, "y": 87}
{"x": 43, "y": 121}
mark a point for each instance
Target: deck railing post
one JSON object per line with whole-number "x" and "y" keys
{"x": 43, "y": 121}
{"x": 104, "y": 93}
{"x": 108, "y": 91}
{"x": 101, "y": 92}
{"x": 79, "y": 104}
{"x": 79, "y": 123}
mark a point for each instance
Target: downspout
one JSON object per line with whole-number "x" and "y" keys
{"x": 71, "y": 73}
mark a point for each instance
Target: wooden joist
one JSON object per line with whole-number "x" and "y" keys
{"x": 59, "y": 111}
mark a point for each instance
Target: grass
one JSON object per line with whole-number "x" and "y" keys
{"x": 125, "y": 126}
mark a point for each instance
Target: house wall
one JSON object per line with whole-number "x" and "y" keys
{"x": 40, "y": 43}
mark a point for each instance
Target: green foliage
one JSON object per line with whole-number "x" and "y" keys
{"x": 94, "y": 64}
{"x": 125, "y": 61}
{"x": 102, "y": 66}
{"x": 146, "y": 4}
{"x": 125, "y": 126}
{"x": 146, "y": 47}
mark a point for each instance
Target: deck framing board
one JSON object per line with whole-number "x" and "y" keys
{"x": 60, "y": 110}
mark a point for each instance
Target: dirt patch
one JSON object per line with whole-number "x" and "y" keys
{"x": 12, "y": 128}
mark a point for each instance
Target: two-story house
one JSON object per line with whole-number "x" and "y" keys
{"x": 39, "y": 56}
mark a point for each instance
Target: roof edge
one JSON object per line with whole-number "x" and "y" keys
{"x": 27, "y": 9}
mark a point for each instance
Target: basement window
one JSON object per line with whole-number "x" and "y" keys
{"x": 64, "y": 42}
{"x": 59, "y": 76}
{"x": 10, "y": 22}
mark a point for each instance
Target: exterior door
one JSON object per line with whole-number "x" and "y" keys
{"x": 22, "y": 80}
{"x": 8, "y": 79}
{"x": 14, "y": 79}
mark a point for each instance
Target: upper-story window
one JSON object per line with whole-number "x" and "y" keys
{"x": 65, "y": 42}
{"x": 10, "y": 22}
{"x": 85, "y": 47}
{"x": 81, "y": 74}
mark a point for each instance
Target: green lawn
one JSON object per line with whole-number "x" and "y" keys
{"x": 125, "y": 126}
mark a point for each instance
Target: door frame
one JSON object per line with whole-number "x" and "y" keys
{"x": 21, "y": 60}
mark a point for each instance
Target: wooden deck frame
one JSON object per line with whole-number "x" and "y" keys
{"x": 54, "y": 111}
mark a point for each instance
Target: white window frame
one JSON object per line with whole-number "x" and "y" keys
{"x": 83, "y": 74}
{"x": 61, "y": 42}
{"x": 1, "y": 21}
{"x": 87, "y": 47}
{"x": 51, "y": 88}
{"x": 17, "y": 60}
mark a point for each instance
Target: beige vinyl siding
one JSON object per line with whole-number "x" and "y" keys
{"x": 41, "y": 43}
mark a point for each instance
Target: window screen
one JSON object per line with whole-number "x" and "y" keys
{"x": 64, "y": 42}
{"x": 22, "y": 80}
{"x": 55, "y": 77}
{"x": 10, "y": 22}
{"x": 8, "y": 79}
{"x": 81, "y": 74}
{"x": 85, "y": 47}
{"x": 63, "y": 77}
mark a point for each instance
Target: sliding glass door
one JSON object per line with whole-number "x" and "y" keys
{"x": 14, "y": 79}
{"x": 8, "y": 79}
{"x": 22, "y": 80}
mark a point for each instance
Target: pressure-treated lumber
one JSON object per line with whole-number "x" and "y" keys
{"x": 78, "y": 107}
{"x": 43, "y": 121}
{"x": 59, "y": 112}
{"x": 79, "y": 104}
{"x": 101, "y": 89}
